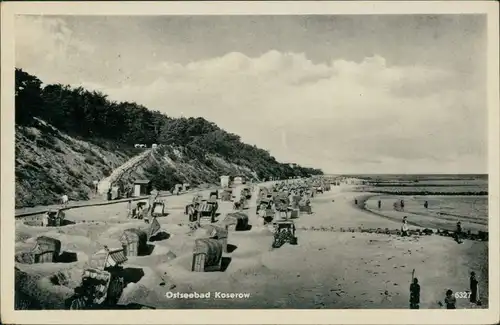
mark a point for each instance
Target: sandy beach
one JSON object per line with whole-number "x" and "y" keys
{"x": 327, "y": 269}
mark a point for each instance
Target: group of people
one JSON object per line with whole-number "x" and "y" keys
{"x": 457, "y": 235}
{"x": 396, "y": 206}
{"x": 401, "y": 205}
{"x": 450, "y": 300}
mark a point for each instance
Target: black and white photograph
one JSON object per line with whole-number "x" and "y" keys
{"x": 253, "y": 161}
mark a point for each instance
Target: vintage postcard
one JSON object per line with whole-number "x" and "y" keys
{"x": 250, "y": 162}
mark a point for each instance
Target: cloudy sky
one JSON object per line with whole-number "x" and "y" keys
{"x": 348, "y": 94}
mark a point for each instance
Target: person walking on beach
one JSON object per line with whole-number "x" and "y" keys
{"x": 404, "y": 227}
{"x": 356, "y": 201}
{"x": 415, "y": 294}
{"x": 426, "y": 204}
{"x": 402, "y": 204}
{"x": 458, "y": 233}
{"x": 473, "y": 288}
{"x": 379, "y": 204}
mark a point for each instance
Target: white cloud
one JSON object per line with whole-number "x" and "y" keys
{"x": 349, "y": 116}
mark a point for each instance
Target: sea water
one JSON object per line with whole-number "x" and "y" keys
{"x": 443, "y": 211}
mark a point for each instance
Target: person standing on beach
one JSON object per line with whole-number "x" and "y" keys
{"x": 402, "y": 204}
{"x": 426, "y": 204}
{"x": 404, "y": 227}
{"x": 458, "y": 233}
{"x": 415, "y": 294}
{"x": 379, "y": 204}
{"x": 129, "y": 209}
{"x": 473, "y": 288}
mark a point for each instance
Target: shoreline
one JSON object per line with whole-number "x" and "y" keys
{"x": 397, "y": 216}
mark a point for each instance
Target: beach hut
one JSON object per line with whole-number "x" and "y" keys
{"x": 226, "y": 195}
{"x": 282, "y": 202}
{"x": 95, "y": 286}
{"x": 305, "y": 206}
{"x": 191, "y": 211}
{"x": 236, "y": 221}
{"x": 218, "y": 232}
{"x": 141, "y": 210}
{"x": 54, "y": 218}
{"x": 206, "y": 212}
{"x": 107, "y": 258}
{"x": 158, "y": 208}
{"x": 142, "y": 187}
{"x": 102, "y": 282}
{"x": 46, "y": 250}
{"x": 295, "y": 201}
{"x": 134, "y": 242}
{"x": 238, "y": 180}
{"x": 207, "y": 255}
{"x": 213, "y": 196}
{"x": 245, "y": 192}
{"x": 224, "y": 181}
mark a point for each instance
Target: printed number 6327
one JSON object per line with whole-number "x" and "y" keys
{"x": 465, "y": 294}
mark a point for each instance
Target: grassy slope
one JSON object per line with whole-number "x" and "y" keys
{"x": 50, "y": 163}
{"x": 175, "y": 162}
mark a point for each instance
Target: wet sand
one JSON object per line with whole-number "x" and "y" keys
{"x": 325, "y": 270}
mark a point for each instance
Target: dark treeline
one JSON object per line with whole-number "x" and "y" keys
{"x": 91, "y": 116}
